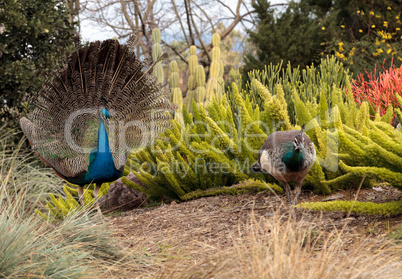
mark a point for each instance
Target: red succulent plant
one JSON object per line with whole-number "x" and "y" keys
{"x": 379, "y": 89}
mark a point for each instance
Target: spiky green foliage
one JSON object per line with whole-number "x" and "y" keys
{"x": 196, "y": 88}
{"x": 17, "y": 168}
{"x": 156, "y": 54}
{"x": 210, "y": 151}
{"x": 32, "y": 248}
{"x": 371, "y": 208}
{"x": 68, "y": 204}
{"x": 309, "y": 84}
{"x": 349, "y": 144}
{"x": 354, "y": 143}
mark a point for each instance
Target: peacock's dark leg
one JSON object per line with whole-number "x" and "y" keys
{"x": 81, "y": 196}
{"x": 96, "y": 192}
{"x": 287, "y": 190}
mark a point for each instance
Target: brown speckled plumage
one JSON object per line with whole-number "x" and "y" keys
{"x": 287, "y": 156}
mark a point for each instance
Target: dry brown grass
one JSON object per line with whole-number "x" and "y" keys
{"x": 283, "y": 247}
{"x": 256, "y": 236}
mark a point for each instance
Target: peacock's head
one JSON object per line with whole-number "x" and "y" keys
{"x": 104, "y": 114}
{"x": 298, "y": 142}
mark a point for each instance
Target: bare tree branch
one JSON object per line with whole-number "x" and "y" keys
{"x": 178, "y": 53}
{"x": 126, "y": 16}
{"x": 201, "y": 41}
{"x": 188, "y": 22}
{"x": 188, "y": 13}
{"x": 226, "y": 32}
{"x": 180, "y": 22}
{"x": 205, "y": 14}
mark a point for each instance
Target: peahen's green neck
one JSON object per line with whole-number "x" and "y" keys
{"x": 292, "y": 158}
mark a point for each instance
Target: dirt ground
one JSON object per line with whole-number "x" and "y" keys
{"x": 212, "y": 224}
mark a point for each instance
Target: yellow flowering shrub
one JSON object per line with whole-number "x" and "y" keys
{"x": 378, "y": 38}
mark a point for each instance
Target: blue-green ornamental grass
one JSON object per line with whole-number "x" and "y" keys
{"x": 76, "y": 247}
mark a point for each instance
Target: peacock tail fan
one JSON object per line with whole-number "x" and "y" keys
{"x": 64, "y": 124}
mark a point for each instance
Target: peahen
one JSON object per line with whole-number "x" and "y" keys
{"x": 287, "y": 156}
{"x": 88, "y": 116}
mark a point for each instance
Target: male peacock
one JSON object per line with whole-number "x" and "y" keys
{"x": 287, "y": 156}
{"x": 90, "y": 115}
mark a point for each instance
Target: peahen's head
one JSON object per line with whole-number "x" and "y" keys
{"x": 299, "y": 142}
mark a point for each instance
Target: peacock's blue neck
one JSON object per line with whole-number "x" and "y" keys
{"x": 101, "y": 166}
{"x": 103, "y": 141}
{"x": 292, "y": 158}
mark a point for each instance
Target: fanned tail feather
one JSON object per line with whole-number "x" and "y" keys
{"x": 63, "y": 126}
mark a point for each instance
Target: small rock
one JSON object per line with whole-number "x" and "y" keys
{"x": 173, "y": 203}
{"x": 365, "y": 223}
{"x": 122, "y": 198}
{"x": 334, "y": 197}
{"x": 378, "y": 189}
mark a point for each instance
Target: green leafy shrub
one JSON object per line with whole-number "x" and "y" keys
{"x": 372, "y": 37}
{"x": 35, "y": 36}
{"x": 210, "y": 150}
{"x": 349, "y": 143}
{"x": 309, "y": 84}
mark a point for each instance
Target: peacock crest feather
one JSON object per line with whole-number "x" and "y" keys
{"x": 90, "y": 115}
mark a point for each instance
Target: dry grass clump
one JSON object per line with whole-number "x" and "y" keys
{"x": 78, "y": 247}
{"x": 284, "y": 246}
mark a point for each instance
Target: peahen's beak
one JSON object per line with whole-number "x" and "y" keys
{"x": 299, "y": 146}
